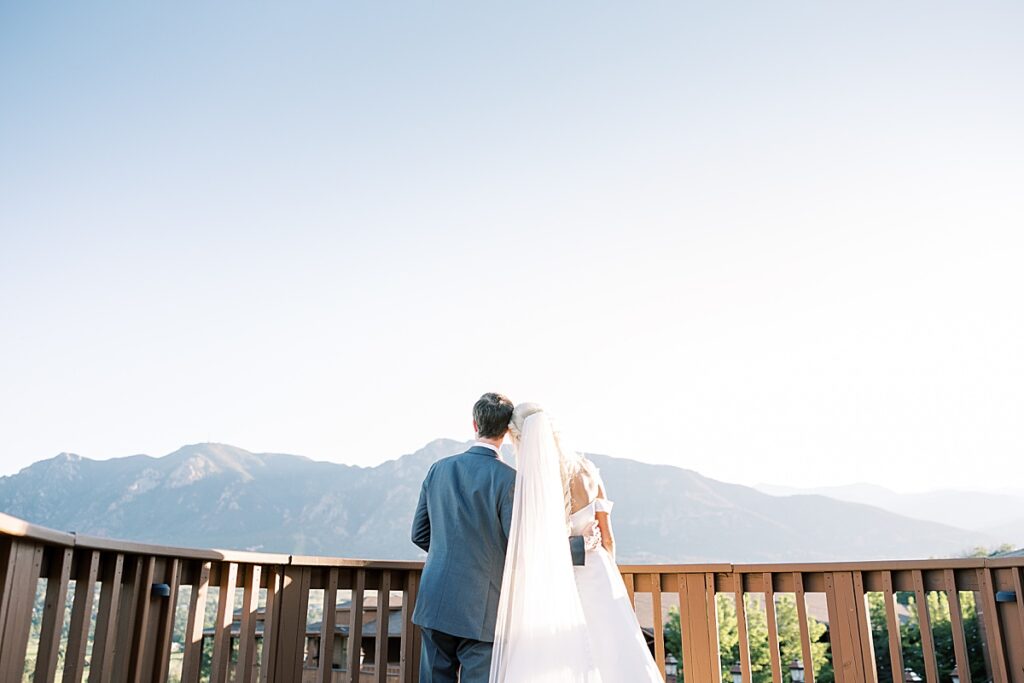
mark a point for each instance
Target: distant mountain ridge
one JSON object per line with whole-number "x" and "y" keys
{"x": 217, "y": 495}
{"x": 997, "y": 514}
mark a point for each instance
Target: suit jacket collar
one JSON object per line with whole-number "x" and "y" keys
{"x": 482, "y": 450}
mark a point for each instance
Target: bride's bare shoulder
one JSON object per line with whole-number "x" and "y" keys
{"x": 585, "y": 484}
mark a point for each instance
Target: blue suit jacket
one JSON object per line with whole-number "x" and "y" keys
{"x": 462, "y": 521}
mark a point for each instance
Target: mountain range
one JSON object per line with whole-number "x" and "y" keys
{"x": 999, "y": 515}
{"x": 221, "y": 496}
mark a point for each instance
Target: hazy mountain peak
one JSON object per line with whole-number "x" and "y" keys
{"x": 200, "y": 460}
{"x": 61, "y": 466}
{"x": 218, "y": 495}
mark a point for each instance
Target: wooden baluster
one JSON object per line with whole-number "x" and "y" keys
{"x": 380, "y": 655}
{"x": 165, "y": 630}
{"x": 221, "y": 659}
{"x": 59, "y": 576}
{"x": 658, "y": 622}
{"x": 963, "y": 664}
{"x": 844, "y": 628}
{"x": 193, "y": 655}
{"x": 355, "y": 631}
{"x": 245, "y": 668}
{"x": 139, "y": 668}
{"x": 892, "y": 625}
{"x": 291, "y": 624}
{"x": 805, "y": 635}
{"x": 694, "y": 611}
{"x": 1018, "y": 584}
{"x": 741, "y": 629}
{"x": 410, "y": 646}
{"x": 688, "y": 668}
{"x": 931, "y": 667}
{"x": 270, "y": 627}
{"x": 81, "y": 614}
{"x": 630, "y": 582}
{"x": 101, "y": 664}
{"x": 992, "y": 627}
{"x": 840, "y": 663}
{"x": 774, "y": 657}
{"x": 8, "y": 555}
{"x": 21, "y": 582}
{"x": 863, "y": 623}
{"x": 327, "y": 624}
{"x": 131, "y": 578}
{"x": 715, "y": 659}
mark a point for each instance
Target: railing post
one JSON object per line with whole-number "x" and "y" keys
{"x": 328, "y": 622}
{"x": 931, "y": 667}
{"x": 193, "y": 655}
{"x": 963, "y": 664}
{"x": 271, "y": 631}
{"x": 245, "y": 668}
{"x": 1015, "y": 642}
{"x": 867, "y": 645}
{"x": 846, "y": 633}
{"x": 21, "y": 568}
{"x": 291, "y": 625}
{"x": 774, "y": 657}
{"x": 165, "y": 629}
{"x": 355, "y": 630}
{"x": 81, "y": 611}
{"x": 801, "y": 615}
{"x": 101, "y": 664}
{"x": 741, "y": 628}
{"x": 225, "y": 614}
{"x": 699, "y": 625}
{"x": 380, "y": 656}
{"x": 410, "y": 632}
{"x": 892, "y": 624}
{"x": 989, "y": 614}
{"x": 57, "y": 580}
{"x": 140, "y": 669}
{"x": 133, "y": 568}
{"x": 658, "y": 624}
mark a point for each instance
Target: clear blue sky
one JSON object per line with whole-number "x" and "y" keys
{"x": 769, "y": 241}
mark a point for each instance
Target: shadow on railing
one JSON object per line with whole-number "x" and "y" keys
{"x": 154, "y": 613}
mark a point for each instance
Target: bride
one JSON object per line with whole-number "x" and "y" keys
{"x": 557, "y": 623}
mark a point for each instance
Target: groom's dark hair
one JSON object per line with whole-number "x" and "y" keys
{"x": 492, "y": 413}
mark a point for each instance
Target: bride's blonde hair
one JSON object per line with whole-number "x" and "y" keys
{"x": 570, "y": 462}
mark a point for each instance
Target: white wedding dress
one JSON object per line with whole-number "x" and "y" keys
{"x": 557, "y": 625}
{"x": 541, "y": 633}
{"x": 620, "y": 650}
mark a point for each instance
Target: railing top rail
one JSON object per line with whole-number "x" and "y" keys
{"x": 12, "y": 526}
{"x": 864, "y": 566}
{"x": 213, "y": 554}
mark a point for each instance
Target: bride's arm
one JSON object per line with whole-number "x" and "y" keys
{"x": 604, "y": 523}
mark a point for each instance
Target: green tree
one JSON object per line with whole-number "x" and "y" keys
{"x": 942, "y": 635}
{"x": 757, "y": 636}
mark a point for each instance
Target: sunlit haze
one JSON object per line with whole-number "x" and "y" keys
{"x": 772, "y": 242}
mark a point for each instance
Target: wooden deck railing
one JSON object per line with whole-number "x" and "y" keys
{"x": 71, "y": 605}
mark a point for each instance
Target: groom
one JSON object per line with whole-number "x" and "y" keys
{"x": 462, "y": 521}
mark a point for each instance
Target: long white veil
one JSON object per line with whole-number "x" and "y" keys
{"x": 541, "y": 633}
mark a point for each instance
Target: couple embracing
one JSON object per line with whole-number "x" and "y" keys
{"x": 520, "y": 583}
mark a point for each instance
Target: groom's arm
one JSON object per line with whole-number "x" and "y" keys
{"x": 505, "y": 510}
{"x": 578, "y": 550}
{"x": 421, "y": 521}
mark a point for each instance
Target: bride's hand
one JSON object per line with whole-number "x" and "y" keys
{"x": 604, "y": 523}
{"x": 592, "y": 537}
